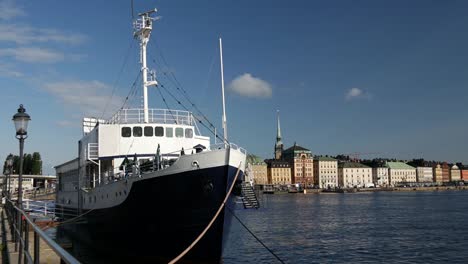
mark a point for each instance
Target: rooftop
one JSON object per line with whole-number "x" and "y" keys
{"x": 325, "y": 159}
{"x": 399, "y": 166}
{"x": 352, "y": 165}
{"x": 253, "y": 159}
{"x": 295, "y": 148}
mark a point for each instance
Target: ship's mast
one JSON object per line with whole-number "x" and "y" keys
{"x": 142, "y": 30}
{"x": 222, "y": 91}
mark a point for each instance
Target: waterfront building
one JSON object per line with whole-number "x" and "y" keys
{"x": 325, "y": 172}
{"x": 437, "y": 171}
{"x": 380, "y": 175}
{"x": 302, "y": 165}
{"x": 424, "y": 174}
{"x": 256, "y": 170}
{"x": 29, "y": 181}
{"x": 278, "y": 172}
{"x": 455, "y": 173}
{"x": 464, "y": 173}
{"x": 445, "y": 172}
{"x": 279, "y": 143}
{"x": 353, "y": 174}
{"x": 401, "y": 172}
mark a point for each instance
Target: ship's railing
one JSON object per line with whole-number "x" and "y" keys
{"x": 230, "y": 145}
{"x": 159, "y": 116}
{"x": 20, "y": 227}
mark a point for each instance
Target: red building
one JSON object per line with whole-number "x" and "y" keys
{"x": 445, "y": 172}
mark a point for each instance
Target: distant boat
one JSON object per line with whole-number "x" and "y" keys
{"x": 268, "y": 189}
{"x": 146, "y": 183}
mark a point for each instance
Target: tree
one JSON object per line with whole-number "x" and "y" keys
{"x": 36, "y": 168}
{"x": 32, "y": 164}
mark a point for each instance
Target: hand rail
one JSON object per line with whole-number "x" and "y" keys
{"x": 23, "y": 239}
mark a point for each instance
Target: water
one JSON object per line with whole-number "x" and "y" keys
{"x": 384, "y": 227}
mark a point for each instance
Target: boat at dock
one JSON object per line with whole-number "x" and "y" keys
{"x": 146, "y": 183}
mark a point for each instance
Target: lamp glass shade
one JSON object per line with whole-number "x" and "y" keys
{"x": 21, "y": 120}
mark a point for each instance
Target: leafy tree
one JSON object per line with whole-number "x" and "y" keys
{"x": 32, "y": 164}
{"x": 36, "y": 168}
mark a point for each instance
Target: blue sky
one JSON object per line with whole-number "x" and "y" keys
{"x": 386, "y": 77}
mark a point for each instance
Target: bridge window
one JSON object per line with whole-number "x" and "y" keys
{"x": 148, "y": 131}
{"x": 179, "y": 132}
{"x": 126, "y": 132}
{"x": 169, "y": 132}
{"x": 159, "y": 131}
{"x": 189, "y": 133}
{"x": 137, "y": 131}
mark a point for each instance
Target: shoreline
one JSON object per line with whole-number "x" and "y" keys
{"x": 386, "y": 189}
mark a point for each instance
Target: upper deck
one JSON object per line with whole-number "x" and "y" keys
{"x": 155, "y": 116}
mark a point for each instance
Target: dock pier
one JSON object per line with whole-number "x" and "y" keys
{"x": 32, "y": 245}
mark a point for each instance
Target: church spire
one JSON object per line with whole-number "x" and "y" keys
{"x": 279, "y": 143}
{"x": 278, "y": 134}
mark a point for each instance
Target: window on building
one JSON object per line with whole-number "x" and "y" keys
{"x": 126, "y": 132}
{"x": 148, "y": 131}
{"x": 159, "y": 131}
{"x": 179, "y": 132}
{"x": 137, "y": 131}
{"x": 169, "y": 132}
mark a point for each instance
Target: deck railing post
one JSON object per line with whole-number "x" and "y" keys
{"x": 36, "y": 248}
{"x": 20, "y": 251}
{"x": 15, "y": 229}
{"x": 26, "y": 240}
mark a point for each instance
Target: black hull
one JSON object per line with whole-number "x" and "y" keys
{"x": 159, "y": 219}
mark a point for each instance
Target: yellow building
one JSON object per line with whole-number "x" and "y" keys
{"x": 278, "y": 172}
{"x": 437, "y": 173}
{"x": 256, "y": 171}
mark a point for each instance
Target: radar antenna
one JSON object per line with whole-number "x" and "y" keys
{"x": 142, "y": 30}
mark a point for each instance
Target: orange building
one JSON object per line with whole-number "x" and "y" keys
{"x": 464, "y": 173}
{"x": 302, "y": 164}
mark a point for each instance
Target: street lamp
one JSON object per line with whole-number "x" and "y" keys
{"x": 21, "y": 120}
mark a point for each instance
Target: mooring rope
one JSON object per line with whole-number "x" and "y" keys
{"x": 211, "y": 222}
{"x": 258, "y": 239}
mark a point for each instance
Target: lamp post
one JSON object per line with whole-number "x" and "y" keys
{"x": 21, "y": 120}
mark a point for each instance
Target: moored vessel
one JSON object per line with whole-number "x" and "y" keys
{"x": 146, "y": 182}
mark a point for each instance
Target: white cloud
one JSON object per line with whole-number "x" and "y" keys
{"x": 32, "y": 54}
{"x": 9, "y": 71}
{"x": 8, "y": 10}
{"x": 90, "y": 97}
{"x": 357, "y": 93}
{"x": 67, "y": 123}
{"x": 23, "y": 34}
{"x": 249, "y": 86}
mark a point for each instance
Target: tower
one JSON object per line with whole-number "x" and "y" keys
{"x": 279, "y": 143}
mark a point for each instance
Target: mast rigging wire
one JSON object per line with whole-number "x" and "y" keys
{"x": 117, "y": 79}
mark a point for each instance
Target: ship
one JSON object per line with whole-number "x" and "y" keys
{"x": 147, "y": 185}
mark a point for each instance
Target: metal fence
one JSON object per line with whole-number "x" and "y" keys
{"x": 20, "y": 232}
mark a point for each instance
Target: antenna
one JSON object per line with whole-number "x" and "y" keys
{"x": 222, "y": 91}
{"x": 133, "y": 16}
{"x": 142, "y": 30}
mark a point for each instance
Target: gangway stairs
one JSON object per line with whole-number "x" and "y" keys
{"x": 249, "y": 198}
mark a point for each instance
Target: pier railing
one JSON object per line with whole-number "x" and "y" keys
{"x": 20, "y": 226}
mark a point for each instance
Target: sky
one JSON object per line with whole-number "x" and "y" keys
{"x": 382, "y": 77}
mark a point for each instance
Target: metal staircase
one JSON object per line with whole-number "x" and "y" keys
{"x": 249, "y": 198}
